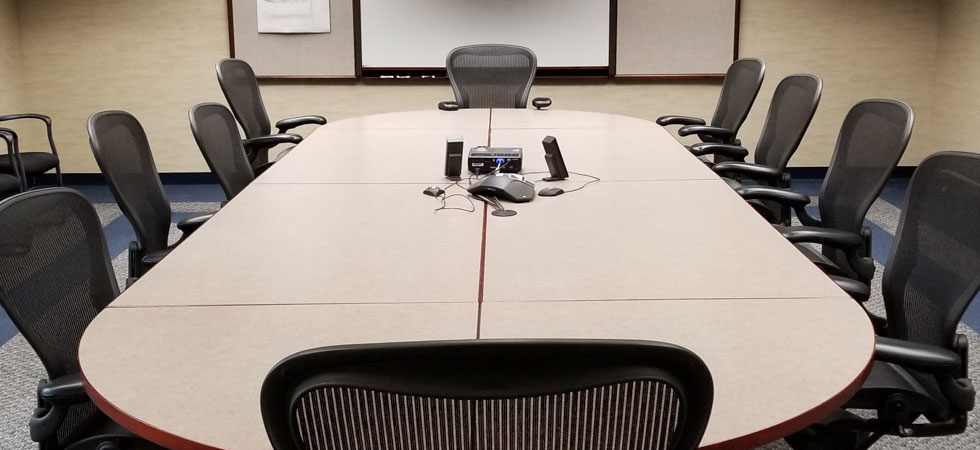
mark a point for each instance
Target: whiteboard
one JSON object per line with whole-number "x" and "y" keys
{"x": 420, "y": 33}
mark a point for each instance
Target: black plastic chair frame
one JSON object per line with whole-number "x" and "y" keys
{"x": 481, "y": 370}
{"x": 51, "y": 144}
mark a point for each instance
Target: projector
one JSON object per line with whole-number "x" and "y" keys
{"x": 487, "y": 159}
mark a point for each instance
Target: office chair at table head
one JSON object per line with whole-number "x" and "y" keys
{"x": 490, "y": 394}
{"x": 492, "y": 76}
{"x": 738, "y": 92}
{"x": 217, "y": 136}
{"x": 241, "y": 89}
{"x": 932, "y": 275}
{"x": 55, "y": 277}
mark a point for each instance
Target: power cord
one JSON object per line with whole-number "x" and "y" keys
{"x": 594, "y": 180}
{"x": 444, "y": 197}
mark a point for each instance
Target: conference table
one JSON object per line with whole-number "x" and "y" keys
{"x": 336, "y": 244}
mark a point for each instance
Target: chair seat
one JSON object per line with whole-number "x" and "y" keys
{"x": 734, "y": 184}
{"x": 886, "y": 379}
{"x": 190, "y": 224}
{"x": 821, "y": 261}
{"x": 35, "y": 163}
{"x": 283, "y": 153}
{"x": 152, "y": 259}
{"x": 9, "y": 184}
{"x": 105, "y": 430}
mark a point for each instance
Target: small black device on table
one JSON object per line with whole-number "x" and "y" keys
{"x": 454, "y": 157}
{"x": 487, "y": 159}
{"x": 552, "y": 156}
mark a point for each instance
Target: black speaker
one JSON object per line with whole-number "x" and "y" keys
{"x": 552, "y": 156}
{"x": 454, "y": 157}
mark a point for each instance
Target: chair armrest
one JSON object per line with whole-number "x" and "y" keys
{"x": 787, "y": 197}
{"x": 190, "y": 224}
{"x": 55, "y": 398}
{"x": 679, "y": 120}
{"x": 784, "y": 196}
{"x": 856, "y": 289}
{"x": 843, "y": 240}
{"x": 917, "y": 356}
{"x": 272, "y": 140}
{"x": 449, "y": 105}
{"x": 754, "y": 171}
{"x": 293, "y": 122}
{"x": 541, "y": 102}
{"x": 723, "y": 134}
{"x": 711, "y": 148}
{"x": 41, "y": 117}
{"x": 68, "y": 389}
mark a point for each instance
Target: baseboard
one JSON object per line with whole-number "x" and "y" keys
{"x": 798, "y": 173}
{"x": 95, "y": 179}
{"x": 818, "y": 173}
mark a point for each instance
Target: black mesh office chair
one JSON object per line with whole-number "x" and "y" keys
{"x": 123, "y": 154}
{"x": 12, "y": 183}
{"x": 932, "y": 275}
{"x": 55, "y": 276}
{"x": 33, "y": 164}
{"x": 217, "y": 136}
{"x": 492, "y": 76}
{"x": 495, "y": 394}
{"x": 872, "y": 139}
{"x": 792, "y": 107}
{"x": 739, "y": 90}
{"x": 241, "y": 89}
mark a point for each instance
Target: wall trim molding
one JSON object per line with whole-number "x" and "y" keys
{"x": 88, "y": 179}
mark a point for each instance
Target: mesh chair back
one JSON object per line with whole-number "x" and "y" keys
{"x": 241, "y": 89}
{"x": 123, "y": 153}
{"x": 489, "y": 395}
{"x": 792, "y": 107}
{"x": 933, "y": 270}
{"x": 55, "y": 276}
{"x": 491, "y": 76}
{"x": 217, "y": 136}
{"x": 738, "y": 92}
{"x": 872, "y": 139}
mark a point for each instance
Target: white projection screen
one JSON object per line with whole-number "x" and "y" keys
{"x": 420, "y": 33}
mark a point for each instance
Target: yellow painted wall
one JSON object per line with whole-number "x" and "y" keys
{"x": 156, "y": 59}
{"x": 958, "y": 84}
{"x": 11, "y": 71}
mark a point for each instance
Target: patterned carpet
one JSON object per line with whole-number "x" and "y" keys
{"x": 20, "y": 369}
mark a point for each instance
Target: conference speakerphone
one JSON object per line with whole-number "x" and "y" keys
{"x": 482, "y": 159}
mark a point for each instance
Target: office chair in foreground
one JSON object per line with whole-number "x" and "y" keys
{"x": 738, "y": 92}
{"x": 55, "y": 277}
{"x": 241, "y": 89}
{"x": 489, "y": 394}
{"x": 123, "y": 154}
{"x": 217, "y": 136}
{"x": 932, "y": 275}
{"x": 492, "y": 76}
{"x": 792, "y": 107}
{"x": 872, "y": 140}
{"x": 32, "y": 164}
